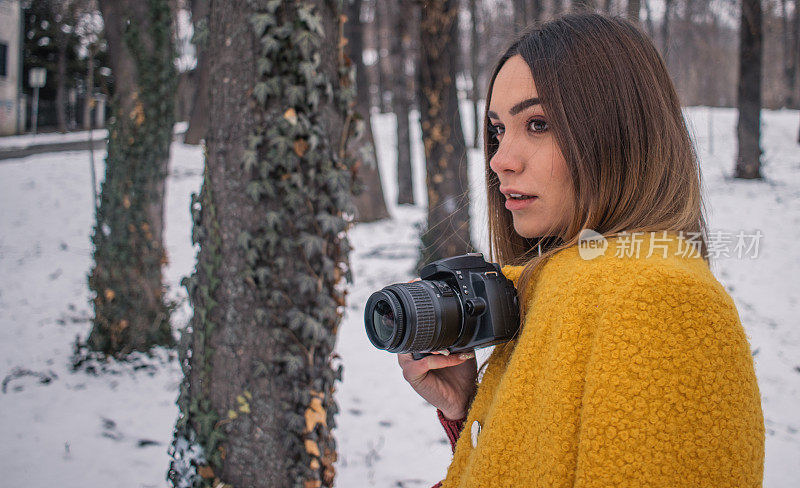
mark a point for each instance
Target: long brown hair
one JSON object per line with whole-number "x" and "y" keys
{"x": 617, "y": 120}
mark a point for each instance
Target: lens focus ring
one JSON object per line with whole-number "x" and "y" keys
{"x": 426, "y": 317}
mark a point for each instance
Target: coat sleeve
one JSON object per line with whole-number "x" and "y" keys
{"x": 670, "y": 397}
{"x": 453, "y": 430}
{"x": 451, "y": 427}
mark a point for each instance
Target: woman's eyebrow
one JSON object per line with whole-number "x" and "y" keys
{"x": 517, "y": 108}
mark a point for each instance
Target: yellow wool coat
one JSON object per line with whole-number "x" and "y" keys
{"x": 628, "y": 371}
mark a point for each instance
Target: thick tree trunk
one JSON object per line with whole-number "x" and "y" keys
{"x": 130, "y": 313}
{"x": 401, "y": 55}
{"x": 370, "y": 202}
{"x": 748, "y": 128}
{"x": 257, "y": 407}
{"x": 448, "y": 232}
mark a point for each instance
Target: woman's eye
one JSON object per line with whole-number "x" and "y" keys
{"x": 534, "y": 125}
{"x": 495, "y": 130}
{"x": 538, "y": 125}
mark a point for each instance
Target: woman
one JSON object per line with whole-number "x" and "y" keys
{"x": 631, "y": 367}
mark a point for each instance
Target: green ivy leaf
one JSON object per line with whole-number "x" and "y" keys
{"x": 272, "y": 219}
{"x": 312, "y": 245}
{"x": 250, "y": 160}
{"x": 295, "y": 95}
{"x": 261, "y": 91}
{"x": 243, "y": 240}
{"x": 263, "y": 274}
{"x": 269, "y": 45}
{"x": 263, "y": 66}
{"x": 306, "y": 283}
{"x": 330, "y": 223}
{"x": 253, "y": 190}
{"x": 272, "y": 6}
{"x": 261, "y": 22}
{"x": 311, "y": 19}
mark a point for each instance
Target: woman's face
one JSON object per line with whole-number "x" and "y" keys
{"x": 533, "y": 173}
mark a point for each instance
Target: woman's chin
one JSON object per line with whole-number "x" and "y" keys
{"x": 526, "y": 231}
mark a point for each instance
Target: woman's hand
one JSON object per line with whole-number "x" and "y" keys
{"x": 446, "y": 382}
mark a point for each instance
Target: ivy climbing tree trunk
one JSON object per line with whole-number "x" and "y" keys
{"x": 257, "y": 406}
{"x": 130, "y": 312}
{"x": 447, "y": 232}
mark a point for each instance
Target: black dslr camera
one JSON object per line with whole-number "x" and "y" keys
{"x": 461, "y": 303}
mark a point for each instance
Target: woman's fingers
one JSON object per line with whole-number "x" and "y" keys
{"x": 434, "y": 361}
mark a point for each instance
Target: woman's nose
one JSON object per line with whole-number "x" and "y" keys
{"x": 506, "y": 160}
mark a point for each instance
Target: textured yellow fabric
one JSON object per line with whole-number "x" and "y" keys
{"x": 628, "y": 371}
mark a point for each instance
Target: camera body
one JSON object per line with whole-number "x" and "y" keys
{"x": 461, "y": 303}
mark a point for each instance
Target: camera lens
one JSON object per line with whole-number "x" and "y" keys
{"x": 383, "y": 318}
{"x": 413, "y": 317}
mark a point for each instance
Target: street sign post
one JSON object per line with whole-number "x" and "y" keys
{"x": 36, "y": 79}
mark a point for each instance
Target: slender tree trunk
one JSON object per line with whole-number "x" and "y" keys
{"x": 475, "y": 72}
{"x": 200, "y": 115}
{"x": 748, "y": 161}
{"x": 558, "y": 7}
{"x": 88, "y": 102}
{"x": 665, "y": 33}
{"x": 791, "y": 30}
{"x": 61, "y": 82}
{"x": 651, "y": 30}
{"x": 130, "y": 313}
{"x": 535, "y": 10}
{"x": 381, "y": 75}
{"x": 370, "y": 202}
{"x": 632, "y": 12}
{"x": 257, "y": 406}
{"x": 795, "y": 101}
{"x": 584, "y": 5}
{"x": 401, "y": 55}
{"x": 520, "y": 19}
{"x": 448, "y": 232}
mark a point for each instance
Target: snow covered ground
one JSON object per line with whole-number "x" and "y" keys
{"x": 77, "y": 429}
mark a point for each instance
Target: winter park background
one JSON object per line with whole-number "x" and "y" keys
{"x": 113, "y": 428}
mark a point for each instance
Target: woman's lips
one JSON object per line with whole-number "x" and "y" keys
{"x": 514, "y": 204}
